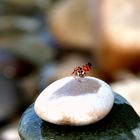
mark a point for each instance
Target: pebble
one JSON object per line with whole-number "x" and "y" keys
{"x": 129, "y": 89}
{"x": 70, "y": 24}
{"x": 120, "y": 37}
{"x": 74, "y": 101}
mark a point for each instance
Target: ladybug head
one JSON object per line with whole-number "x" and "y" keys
{"x": 89, "y": 64}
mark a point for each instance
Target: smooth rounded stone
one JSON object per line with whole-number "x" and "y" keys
{"x": 118, "y": 34}
{"x": 70, "y": 24}
{"x": 75, "y": 101}
{"x": 19, "y": 23}
{"x": 122, "y": 123}
{"x": 129, "y": 89}
{"x": 10, "y": 132}
{"x": 24, "y": 45}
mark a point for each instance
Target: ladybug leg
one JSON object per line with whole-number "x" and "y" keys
{"x": 83, "y": 75}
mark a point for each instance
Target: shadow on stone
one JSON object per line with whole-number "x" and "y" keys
{"x": 92, "y": 86}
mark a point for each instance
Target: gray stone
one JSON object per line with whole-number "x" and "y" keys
{"x": 19, "y": 23}
{"x": 122, "y": 123}
{"x": 31, "y": 47}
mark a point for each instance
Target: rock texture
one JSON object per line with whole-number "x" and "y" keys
{"x": 75, "y": 101}
{"x": 122, "y": 123}
{"x": 120, "y": 31}
{"x": 129, "y": 90}
{"x": 70, "y": 24}
{"x": 109, "y": 29}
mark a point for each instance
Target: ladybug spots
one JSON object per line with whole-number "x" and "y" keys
{"x": 81, "y": 71}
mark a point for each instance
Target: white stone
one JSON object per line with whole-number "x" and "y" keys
{"x": 129, "y": 89}
{"x": 75, "y": 101}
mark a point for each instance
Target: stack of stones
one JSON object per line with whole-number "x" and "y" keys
{"x": 79, "y": 108}
{"x": 22, "y": 49}
{"x": 21, "y": 29}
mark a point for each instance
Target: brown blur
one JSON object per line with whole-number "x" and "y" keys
{"x": 42, "y": 41}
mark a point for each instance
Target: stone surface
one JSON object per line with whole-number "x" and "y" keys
{"x": 75, "y": 101}
{"x": 110, "y": 27}
{"x": 19, "y": 23}
{"x": 24, "y": 45}
{"x": 10, "y": 132}
{"x": 120, "y": 35}
{"x": 122, "y": 123}
{"x": 70, "y": 24}
{"x": 129, "y": 89}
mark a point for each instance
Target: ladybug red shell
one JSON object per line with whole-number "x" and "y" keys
{"x": 81, "y": 71}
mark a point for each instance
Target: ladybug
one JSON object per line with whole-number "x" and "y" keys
{"x": 81, "y": 71}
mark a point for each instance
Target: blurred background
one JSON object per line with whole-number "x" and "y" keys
{"x": 44, "y": 40}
